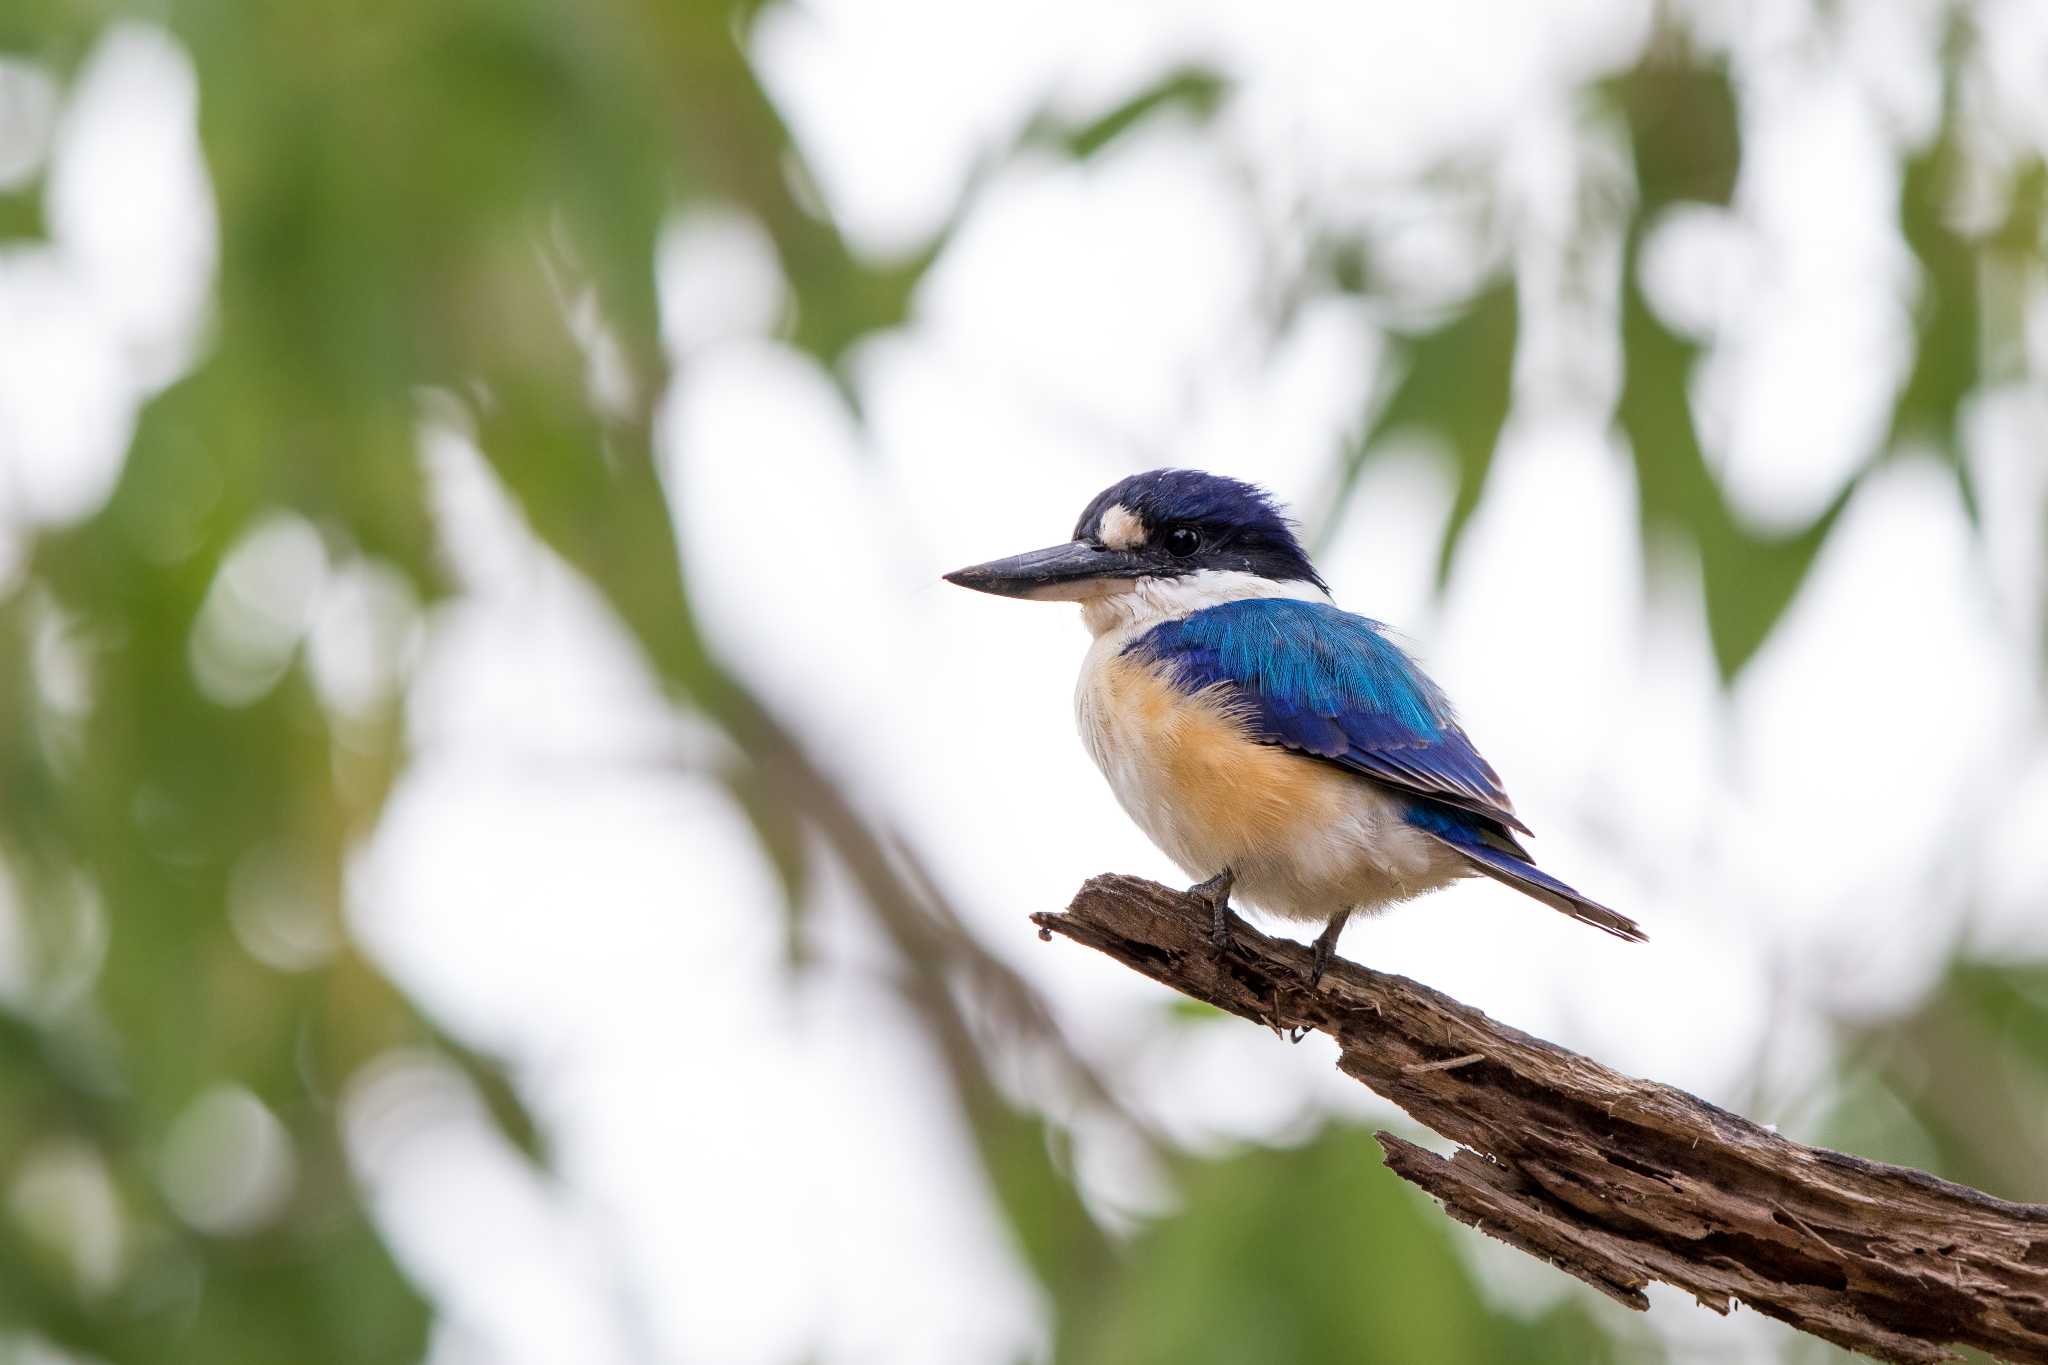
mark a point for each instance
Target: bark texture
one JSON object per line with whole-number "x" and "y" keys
{"x": 1616, "y": 1180}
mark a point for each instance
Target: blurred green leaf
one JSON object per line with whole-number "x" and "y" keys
{"x": 1457, "y": 382}
{"x": 21, "y": 215}
{"x": 1314, "y": 1254}
{"x": 1749, "y": 577}
{"x": 1186, "y": 1011}
{"x": 1053, "y": 1229}
{"x": 1682, "y": 124}
{"x": 55, "y": 32}
{"x": 1685, "y": 136}
{"x": 781, "y": 834}
{"x": 1960, "y": 1082}
{"x": 1947, "y": 326}
{"x": 1195, "y": 91}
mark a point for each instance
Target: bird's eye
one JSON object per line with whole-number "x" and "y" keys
{"x": 1183, "y": 541}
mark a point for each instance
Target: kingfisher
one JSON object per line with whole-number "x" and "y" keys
{"x": 1271, "y": 744}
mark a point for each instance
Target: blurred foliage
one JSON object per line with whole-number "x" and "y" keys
{"x": 1956, "y": 1085}
{"x": 1683, "y": 134}
{"x": 1960, "y": 1084}
{"x": 421, "y": 205}
{"x": 1457, "y": 383}
{"x": 1194, "y": 90}
{"x": 1679, "y": 111}
{"x": 1316, "y": 1254}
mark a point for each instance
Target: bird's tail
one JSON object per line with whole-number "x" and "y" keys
{"x": 1510, "y": 865}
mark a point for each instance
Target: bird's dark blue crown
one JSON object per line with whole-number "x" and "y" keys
{"x": 1241, "y": 526}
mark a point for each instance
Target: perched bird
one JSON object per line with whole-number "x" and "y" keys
{"x": 1268, "y": 742}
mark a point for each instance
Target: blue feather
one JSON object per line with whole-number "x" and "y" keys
{"x": 1497, "y": 855}
{"x": 1325, "y": 682}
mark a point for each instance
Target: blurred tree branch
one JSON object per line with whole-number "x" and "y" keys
{"x": 1616, "y": 1180}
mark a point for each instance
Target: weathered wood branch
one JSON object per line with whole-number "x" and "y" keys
{"x": 1616, "y": 1180}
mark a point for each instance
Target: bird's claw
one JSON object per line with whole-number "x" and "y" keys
{"x": 1319, "y": 961}
{"x": 1215, "y": 893}
{"x": 1325, "y": 948}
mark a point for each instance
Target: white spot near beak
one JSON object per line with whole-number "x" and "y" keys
{"x": 1121, "y": 529}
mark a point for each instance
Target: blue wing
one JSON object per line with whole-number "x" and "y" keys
{"x": 1324, "y": 682}
{"x": 1330, "y": 684}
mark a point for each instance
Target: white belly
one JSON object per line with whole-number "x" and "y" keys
{"x": 1304, "y": 838}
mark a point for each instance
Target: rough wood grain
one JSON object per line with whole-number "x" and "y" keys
{"x": 1615, "y": 1180}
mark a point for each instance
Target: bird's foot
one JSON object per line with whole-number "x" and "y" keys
{"x": 1215, "y": 893}
{"x": 1325, "y": 948}
{"x": 1319, "y": 962}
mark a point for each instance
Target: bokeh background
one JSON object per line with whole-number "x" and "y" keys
{"x": 508, "y": 852}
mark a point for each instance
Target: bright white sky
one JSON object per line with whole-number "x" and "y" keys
{"x": 763, "y": 1168}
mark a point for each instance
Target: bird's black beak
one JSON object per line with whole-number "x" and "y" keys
{"x": 1060, "y": 573}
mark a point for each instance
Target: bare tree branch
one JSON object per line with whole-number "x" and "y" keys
{"x": 1616, "y": 1180}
